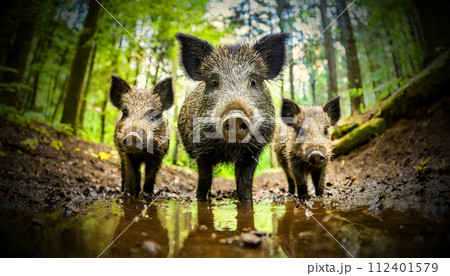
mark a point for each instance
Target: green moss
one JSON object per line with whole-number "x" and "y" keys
{"x": 359, "y": 136}
{"x": 339, "y": 131}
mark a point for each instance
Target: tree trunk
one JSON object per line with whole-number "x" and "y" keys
{"x": 79, "y": 64}
{"x": 17, "y": 57}
{"x": 60, "y": 98}
{"x": 434, "y": 28}
{"x": 103, "y": 118}
{"x": 40, "y": 58}
{"x": 329, "y": 49}
{"x": 86, "y": 86}
{"x": 415, "y": 33}
{"x": 291, "y": 76}
{"x": 280, "y": 8}
{"x": 395, "y": 59}
{"x": 282, "y": 86}
{"x": 353, "y": 68}
{"x": 9, "y": 18}
{"x": 61, "y": 63}
{"x": 313, "y": 88}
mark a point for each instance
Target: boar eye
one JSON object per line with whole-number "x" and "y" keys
{"x": 325, "y": 131}
{"x": 214, "y": 83}
{"x": 252, "y": 83}
{"x": 124, "y": 113}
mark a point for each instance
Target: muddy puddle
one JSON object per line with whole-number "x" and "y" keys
{"x": 221, "y": 228}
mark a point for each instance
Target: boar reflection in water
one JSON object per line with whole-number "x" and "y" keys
{"x": 206, "y": 241}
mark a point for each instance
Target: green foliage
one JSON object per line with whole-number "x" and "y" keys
{"x": 142, "y": 49}
{"x": 422, "y": 167}
{"x": 56, "y": 144}
{"x": 30, "y": 143}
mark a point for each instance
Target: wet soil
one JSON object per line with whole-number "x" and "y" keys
{"x": 380, "y": 198}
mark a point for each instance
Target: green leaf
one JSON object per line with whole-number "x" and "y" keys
{"x": 56, "y": 144}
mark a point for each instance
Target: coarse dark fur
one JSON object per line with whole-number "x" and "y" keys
{"x": 305, "y": 130}
{"x": 232, "y": 78}
{"x": 142, "y": 114}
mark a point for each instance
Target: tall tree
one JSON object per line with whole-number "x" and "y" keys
{"x": 353, "y": 68}
{"x": 87, "y": 86}
{"x": 17, "y": 56}
{"x": 434, "y": 28}
{"x": 72, "y": 102}
{"x": 329, "y": 49}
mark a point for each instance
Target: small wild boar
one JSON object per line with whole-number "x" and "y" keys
{"x": 142, "y": 134}
{"x": 304, "y": 145}
{"x": 229, "y": 117}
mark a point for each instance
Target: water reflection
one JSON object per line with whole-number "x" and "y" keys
{"x": 217, "y": 231}
{"x": 176, "y": 228}
{"x": 57, "y": 233}
{"x": 391, "y": 234}
{"x": 145, "y": 238}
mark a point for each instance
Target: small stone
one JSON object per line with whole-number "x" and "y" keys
{"x": 151, "y": 246}
{"x": 259, "y": 233}
{"x": 69, "y": 212}
{"x": 86, "y": 191}
{"x": 213, "y": 235}
{"x": 36, "y": 222}
{"x": 250, "y": 240}
{"x": 203, "y": 227}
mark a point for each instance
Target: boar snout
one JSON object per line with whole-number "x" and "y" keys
{"x": 235, "y": 127}
{"x": 316, "y": 158}
{"x": 133, "y": 141}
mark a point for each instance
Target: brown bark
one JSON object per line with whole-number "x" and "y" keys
{"x": 329, "y": 50}
{"x": 79, "y": 65}
{"x": 353, "y": 68}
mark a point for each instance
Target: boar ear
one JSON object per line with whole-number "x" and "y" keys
{"x": 193, "y": 51}
{"x": 164, "y": 90}
{"x": 333, "y": 110}
{"x": 118, "y": 88}
{"x": 273, "y": 49}
{"x": 289, "y": 112}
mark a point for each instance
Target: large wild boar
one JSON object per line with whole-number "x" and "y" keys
{"x": 229, "y": 117}
{"x": 304, "y": 146}
{"x": 142, "y": 134}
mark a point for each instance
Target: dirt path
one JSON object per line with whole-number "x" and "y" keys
{"x": 42, "y": 168}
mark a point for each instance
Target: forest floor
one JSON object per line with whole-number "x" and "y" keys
{"x": 37, "y": 171}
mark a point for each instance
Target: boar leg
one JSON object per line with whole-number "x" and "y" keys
{"x": 318, "y": 178}
{"x": 285, "y": 166}
{"x": 151, "y": 168}
{"x": 291, "y": 183}
{"x": 244, "y": 171}
{"x": 131, "y": 177}
{"x": 300, "y": 181}
{"x": 205, "y": 170}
